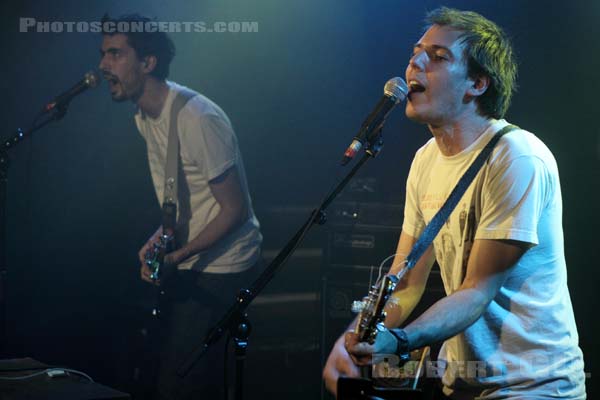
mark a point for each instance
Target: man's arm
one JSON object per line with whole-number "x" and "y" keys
{"x": 228, "y": 192}
{"x": 410, "y": 289}
{"x": 489, "y": 264}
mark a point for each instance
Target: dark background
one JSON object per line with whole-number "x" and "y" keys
{"x": 80, "y": 201}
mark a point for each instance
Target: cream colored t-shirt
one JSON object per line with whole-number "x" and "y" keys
{"x": 208, "y": 148}
{"x": 525, "y": 345}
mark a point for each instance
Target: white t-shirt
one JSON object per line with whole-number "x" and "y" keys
{"x": 525, "y": 344}
{"x": 208, "y": 148}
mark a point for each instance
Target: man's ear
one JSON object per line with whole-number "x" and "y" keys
{"x": 479, "y": 85}
{"x": 149, "y": 63}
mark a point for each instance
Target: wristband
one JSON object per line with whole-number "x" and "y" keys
{"x": 402, "y": 349}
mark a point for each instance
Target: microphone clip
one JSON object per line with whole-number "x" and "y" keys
{"x": 374, "y": 142}
{"x": 372, "y": 145}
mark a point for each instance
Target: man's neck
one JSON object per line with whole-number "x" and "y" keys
{"x": 153, "y": 97}
{"x": 454, "y": 137}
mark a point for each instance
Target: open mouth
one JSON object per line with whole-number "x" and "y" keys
{"x": 415, "y": 87}
{"x": 111, "y": 79}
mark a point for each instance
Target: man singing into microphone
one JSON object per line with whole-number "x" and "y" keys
{"x": 217, "y": 233}
{"x": 507, "y": 309}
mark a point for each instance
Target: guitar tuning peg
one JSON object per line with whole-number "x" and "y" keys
{"x": 358, "y": 306}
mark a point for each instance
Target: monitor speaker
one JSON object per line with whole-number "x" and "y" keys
{"x": 37, "y": 383}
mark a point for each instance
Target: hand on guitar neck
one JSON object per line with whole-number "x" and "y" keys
{"x": 159, "y": 264}
{"x": 156, "y": 256}
{"x": 388, "y": 341}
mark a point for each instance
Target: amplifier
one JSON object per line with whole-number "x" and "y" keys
{"x": 352, "y": 213}
{"x": 363, "y": 233}
{"x": 361, "y": 245}
{"x": 342, "y": 284}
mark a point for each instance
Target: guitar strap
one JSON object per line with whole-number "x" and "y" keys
{"x": 169, "y": 206}
{"x": 438, "y": 220}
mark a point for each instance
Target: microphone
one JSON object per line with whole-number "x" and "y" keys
{"x": 90, "y": 80}
{"x": 394, "y": 91}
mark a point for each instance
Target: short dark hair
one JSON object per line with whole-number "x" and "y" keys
{"x": 145, "y": 42}
{"x": 488, "y": 51}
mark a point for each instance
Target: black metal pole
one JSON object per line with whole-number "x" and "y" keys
{"x": 7, "y": 144}
{"x": 4, "y": 163}
{"x": 236, "y": 316}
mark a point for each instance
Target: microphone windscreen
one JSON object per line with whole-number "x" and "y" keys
{"x": 396, "y": 88}
{"x": 92, "y": 78}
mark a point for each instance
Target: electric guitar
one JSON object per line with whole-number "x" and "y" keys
{"x": 145, "y": 369}
{"x": 160, "y": 272}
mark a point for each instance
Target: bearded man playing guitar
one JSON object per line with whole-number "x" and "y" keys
{"x": 216, "y": 232}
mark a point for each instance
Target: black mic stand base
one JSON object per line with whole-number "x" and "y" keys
{"x": 240, "y": 334}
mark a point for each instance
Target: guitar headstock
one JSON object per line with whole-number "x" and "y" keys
{"x": 371, "y": 310}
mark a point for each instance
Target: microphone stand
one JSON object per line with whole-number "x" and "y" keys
{"x": 57, "y": 114}
{"x": 235, "y": 321}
